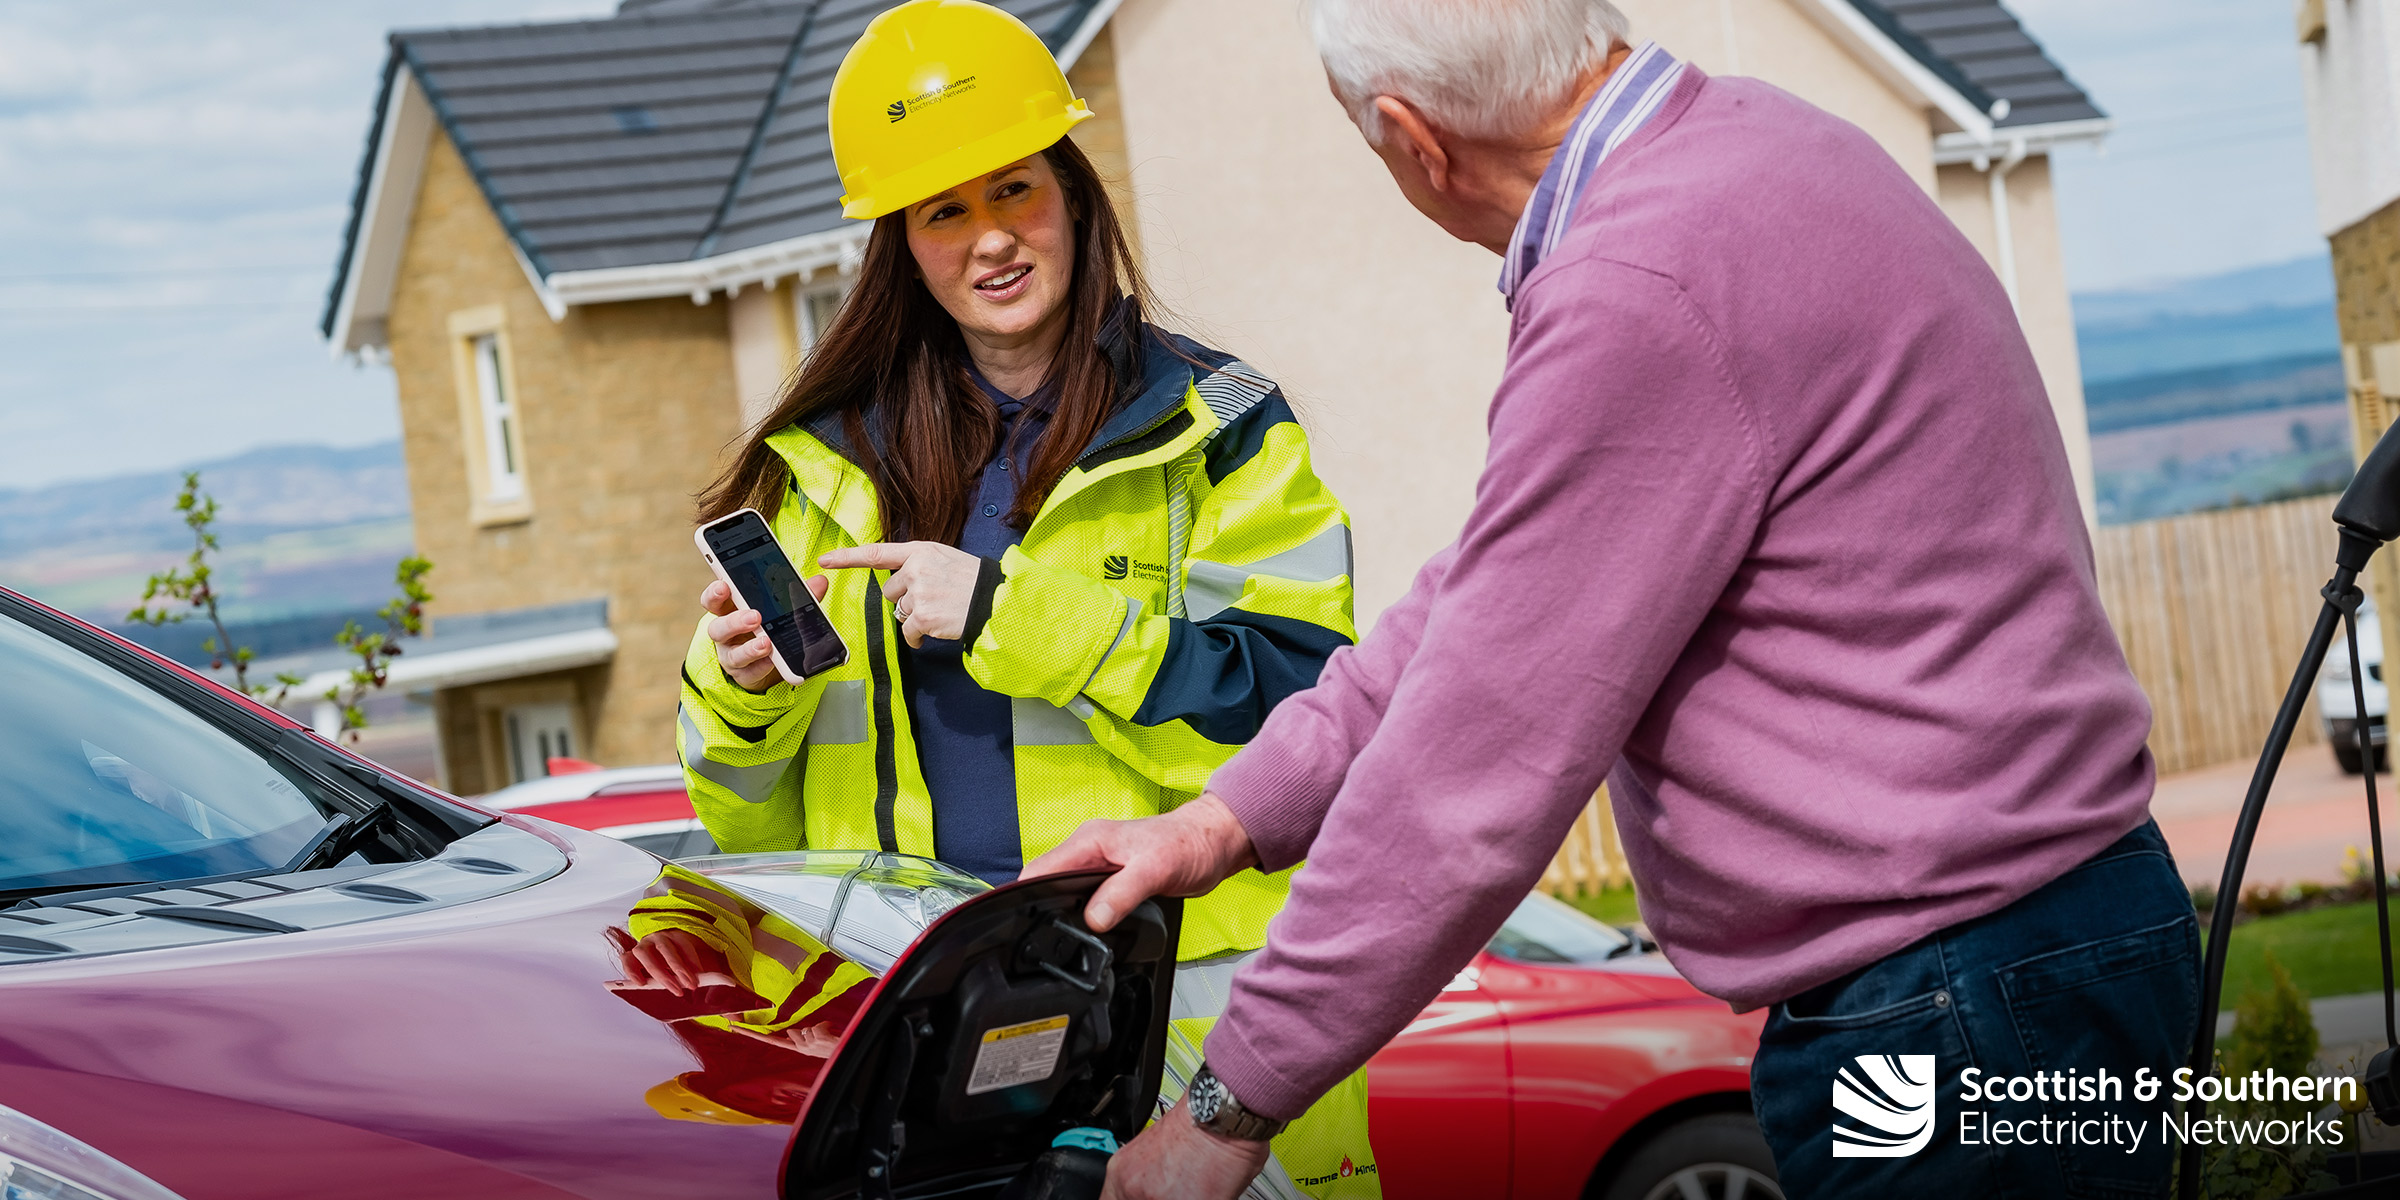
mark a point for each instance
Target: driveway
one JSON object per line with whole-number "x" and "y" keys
{"x": 2313, "y": 814}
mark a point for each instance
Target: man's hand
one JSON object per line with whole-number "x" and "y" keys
{"x": 1177, "y": 1160}
{"x": 1186, "y": 852}
{"x": 931, "y": 586}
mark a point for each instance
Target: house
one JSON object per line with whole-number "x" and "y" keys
{"x": 2350, "y": 76}
{"x": 591, "y": 251}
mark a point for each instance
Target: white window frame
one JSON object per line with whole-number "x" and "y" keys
{"x": 806, "y": 318}
{"x": 491, "y": 415}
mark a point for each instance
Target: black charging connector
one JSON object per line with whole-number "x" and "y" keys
{"x": 2368, "y": 515}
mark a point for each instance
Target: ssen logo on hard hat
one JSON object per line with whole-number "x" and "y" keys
{"x": 1891, "y": 1094}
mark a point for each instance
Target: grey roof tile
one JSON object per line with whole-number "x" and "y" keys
{"x": 1980, "y": 47}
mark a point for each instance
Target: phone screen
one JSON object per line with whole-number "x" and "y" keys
{"x": 764, "y": 579}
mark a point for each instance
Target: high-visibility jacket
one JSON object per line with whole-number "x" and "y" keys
{"x": 1183, "y": 577}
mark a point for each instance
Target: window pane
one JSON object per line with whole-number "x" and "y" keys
{"x": 506, "y": 481}
{"x": 818, "y": 308}
{"x": 104, "y": 781}
{"x": 1548, "y": 931}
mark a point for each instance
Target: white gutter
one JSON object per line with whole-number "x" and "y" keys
{"x": 458, "y": 668}
{"x": 1952, "y": 148}
{"x": 841, "y": 248}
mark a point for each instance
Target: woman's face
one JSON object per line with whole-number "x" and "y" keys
{"x": 998, "y": 252}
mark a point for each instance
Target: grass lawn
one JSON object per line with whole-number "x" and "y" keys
{"x": 1615, "y": 907}
{"x": 2329, "y": 952}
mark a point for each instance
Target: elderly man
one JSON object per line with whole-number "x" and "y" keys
{"x": 1777, "y": 534}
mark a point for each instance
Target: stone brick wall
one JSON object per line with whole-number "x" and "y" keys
{"x": 2366, "y": 280}
{"x": 622, "y": 411}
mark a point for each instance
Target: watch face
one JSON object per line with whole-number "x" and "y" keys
{"x": 1206, "y": 1096}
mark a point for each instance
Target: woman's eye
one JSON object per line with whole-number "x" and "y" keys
{"x": 1017, "y": 187}
{"x": 945, "y": 212}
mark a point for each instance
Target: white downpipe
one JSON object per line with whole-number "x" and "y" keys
{"x": 2004, "y": 242}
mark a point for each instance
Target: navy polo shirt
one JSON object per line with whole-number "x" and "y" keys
{"x": 966, "y": 744}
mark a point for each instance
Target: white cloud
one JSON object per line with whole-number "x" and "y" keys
{"x": 177, "y": 180}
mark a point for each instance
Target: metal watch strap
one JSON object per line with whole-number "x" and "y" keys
{"x": 1227, "y": 1118}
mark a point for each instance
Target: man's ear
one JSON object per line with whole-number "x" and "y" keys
{"x": 1406, "y": 129}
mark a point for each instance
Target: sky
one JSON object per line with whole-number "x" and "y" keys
{"x": 174, "y": 179}
{"x": 2207, "y": 170}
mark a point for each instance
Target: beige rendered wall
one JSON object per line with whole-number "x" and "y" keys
{"x": 2043, "y": 307}
{"x": 622, "y": 409}
{"x": 1273, "y": 232}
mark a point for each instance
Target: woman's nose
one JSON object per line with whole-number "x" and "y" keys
{"x": 996, "y": 245}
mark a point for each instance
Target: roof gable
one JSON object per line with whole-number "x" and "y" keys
{"x": 673, "y": 132}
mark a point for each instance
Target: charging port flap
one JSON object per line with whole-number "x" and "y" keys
{"x": 1006, "y": 1024}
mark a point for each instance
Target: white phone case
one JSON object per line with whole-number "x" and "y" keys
{"x": 700, "y": 539}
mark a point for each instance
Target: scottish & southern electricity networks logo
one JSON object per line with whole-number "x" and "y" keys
{"x": 1890, "y": 1094}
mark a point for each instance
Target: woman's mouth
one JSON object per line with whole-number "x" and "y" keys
{"x": 1006, "y": 284}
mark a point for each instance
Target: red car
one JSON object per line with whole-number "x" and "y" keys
{"x": 253, "y": 966}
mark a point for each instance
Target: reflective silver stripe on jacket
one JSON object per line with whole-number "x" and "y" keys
{"x": 1203, "y": 987}
{"x": 1213, "y": 587}
{"x": 752, "y": 784}
{"x": 841, "y": 717}
{"x": 1037, "y": 722}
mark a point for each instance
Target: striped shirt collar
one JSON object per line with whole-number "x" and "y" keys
{"x": 1626, "y": 102}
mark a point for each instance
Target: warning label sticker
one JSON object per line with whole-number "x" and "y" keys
{"x": 1014, "y": 1054}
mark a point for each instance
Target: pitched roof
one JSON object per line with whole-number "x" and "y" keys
{"x": 674, "y": 131}
{"x": 680, "y": 144}
{"x": 1979, "y": 47}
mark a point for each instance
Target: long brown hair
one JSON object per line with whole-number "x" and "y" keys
{"x": 895, "y": 359}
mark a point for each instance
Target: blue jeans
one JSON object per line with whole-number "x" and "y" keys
{"x": 2096, "y": 970}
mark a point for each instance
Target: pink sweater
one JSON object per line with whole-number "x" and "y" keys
{"x": 1777, "y": 534}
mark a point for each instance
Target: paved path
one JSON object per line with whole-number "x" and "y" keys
{"x": 2313, "y": 814}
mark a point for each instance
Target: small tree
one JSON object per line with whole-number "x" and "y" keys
{"x": 195, "y": 587}
{"x": 2272, "y": 1030}
{"x": 402, "y": 616}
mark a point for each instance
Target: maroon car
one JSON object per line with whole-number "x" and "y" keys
{"x": 251, "y": 965}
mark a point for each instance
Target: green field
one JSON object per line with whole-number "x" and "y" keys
{"x": 2329, "y": 952}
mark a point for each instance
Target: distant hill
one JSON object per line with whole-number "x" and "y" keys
{"x": 275, "y": 489}
{"x": 309, "y": 536}
{"x": 2300, "y": 381}
{"x": 2283, "y": 311}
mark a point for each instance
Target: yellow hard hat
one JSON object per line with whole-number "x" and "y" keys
{"x": 937, "y": 92}
{"x": 676, "y": 1101}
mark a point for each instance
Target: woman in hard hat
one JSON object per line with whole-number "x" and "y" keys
{"x": 1076, "y": 558}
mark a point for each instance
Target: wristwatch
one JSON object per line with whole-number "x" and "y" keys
{"x": 1214, "y": 1109}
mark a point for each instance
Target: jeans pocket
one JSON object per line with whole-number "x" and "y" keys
{"x": 2117, "y": 1004}
{"x": 1817, "y": 1066}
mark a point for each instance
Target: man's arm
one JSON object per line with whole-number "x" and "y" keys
{"x": 1280, "y": 785}
{"x": 1624, "y": 485}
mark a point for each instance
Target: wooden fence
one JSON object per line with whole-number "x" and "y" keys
{"x": 2213, "y": 610}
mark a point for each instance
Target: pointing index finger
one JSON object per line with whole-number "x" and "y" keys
{"x": 882, "y": 556}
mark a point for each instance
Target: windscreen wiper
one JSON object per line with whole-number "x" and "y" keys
{"x": 340, "y": 837}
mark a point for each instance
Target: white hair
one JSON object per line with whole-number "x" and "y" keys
{"x": 1477, "y": 68}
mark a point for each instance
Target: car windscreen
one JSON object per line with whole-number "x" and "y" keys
{"x": 104, "y": 781}
{"x": 1543, "y": 930}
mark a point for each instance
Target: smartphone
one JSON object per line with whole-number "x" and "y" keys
{"x": 743, "y": 552}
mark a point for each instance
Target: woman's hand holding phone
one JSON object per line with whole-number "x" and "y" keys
{"x": 932, "y": 586}
{"x": 742, "y": 650}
